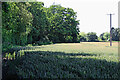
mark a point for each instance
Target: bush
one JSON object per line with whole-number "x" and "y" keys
{"x": 92, "y": 37}
{"x": 82, "y": 37}
{"x": 43, "y": 43}
{"x": 6, "y": 46}
{"x": 105, "y": 36}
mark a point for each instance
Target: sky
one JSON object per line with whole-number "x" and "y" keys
{"x": 91, "y": 13}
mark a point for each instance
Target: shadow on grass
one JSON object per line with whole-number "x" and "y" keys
{"x": 62, "y": 53}
{"x": 16, "y": 49}
{"x": 46, "y": 64}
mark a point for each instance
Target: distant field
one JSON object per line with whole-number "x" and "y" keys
{"x": 101, "y": 49}
{"x": 89, "y": 60}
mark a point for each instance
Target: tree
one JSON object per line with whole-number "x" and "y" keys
{"x": 92, "y": 37}
{"x": 63, "y": 24}
{"x": 16, "y": 21}
{"x": 29, "y": 22}
{"x": 40, "y": 25}
{"x": 115, "y": 34}
{"x": 105, "y": 36}
{"x": 82, "y": 36}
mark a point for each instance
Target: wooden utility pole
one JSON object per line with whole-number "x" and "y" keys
{"x": 0, "y": 40}
{"x": 110, "y": 29}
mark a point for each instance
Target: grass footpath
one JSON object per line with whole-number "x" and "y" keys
{"x": 89, "y": 60}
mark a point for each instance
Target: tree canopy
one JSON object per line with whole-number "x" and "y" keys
{"x": 16, "y": 21}
{"x": 32, "y": 23}
{"x": 63, "y": 24}
{"x": 115, "y": 34}
{"x": 92, "y": 37}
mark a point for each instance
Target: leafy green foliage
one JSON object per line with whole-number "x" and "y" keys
{"x": 11, "y": 56}
{"x": 82, "y": 37}
{"x": 63, "y": 24}
{"x": 31, "y": 23}
{"x": 92, "y": 37}
{"x": 40, "y": 25}
{"x": 115, "y": 34}
{"x": 16, "y": 22}
{"x": 105, "y": 36}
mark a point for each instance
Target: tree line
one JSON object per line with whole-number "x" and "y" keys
{"x": 92, "y": 36}
{"x": 31, "y": 23}
{"x": 26, "y": 23}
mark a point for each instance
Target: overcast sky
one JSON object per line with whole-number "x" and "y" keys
{"x": 91, "y": 13}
